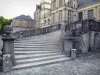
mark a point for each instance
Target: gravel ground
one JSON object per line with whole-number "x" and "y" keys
{"x": 85, "y": 65}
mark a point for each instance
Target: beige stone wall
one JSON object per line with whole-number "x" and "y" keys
{"x": 37, "y": 17}
{"x": 42, "y": 15}
{"x": 96, "y": 11}
{"x": 22, "y": 23}
{"x": 62, "y": 10}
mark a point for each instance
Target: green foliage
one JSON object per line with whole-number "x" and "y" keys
{"x": 4, "y": 21}
{"x": 0, "y": 25}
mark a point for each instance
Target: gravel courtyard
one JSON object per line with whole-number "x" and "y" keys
{"x": 85, "y": 65}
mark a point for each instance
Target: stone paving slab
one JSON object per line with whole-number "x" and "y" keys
{"x": 85, "y": 65}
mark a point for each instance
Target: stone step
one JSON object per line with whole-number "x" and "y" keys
{"x": 36, "y": 44}
{"x": 42, "y": 47}
{"x": 39, "y": 44}
{"x": 53, "y": 49}
{"x": 49, "y": 40}
{"x": 32, "y": 52}
{"x": 25, "y": 61}
{"x": 21, "y": 57}
{"x": 52, "y": 61}
{"x": 38, "y": 40}
{"x": 25, "y": 50}
{"x": 38, "y": 47}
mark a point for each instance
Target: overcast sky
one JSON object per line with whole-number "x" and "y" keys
{"x": 13, "y": 8}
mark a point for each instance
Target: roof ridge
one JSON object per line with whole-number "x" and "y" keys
{"x": 23, "y": 17}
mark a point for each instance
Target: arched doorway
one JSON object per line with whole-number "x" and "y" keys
{"x": 97, "y": 41}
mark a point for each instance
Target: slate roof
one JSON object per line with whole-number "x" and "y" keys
{"x": 83, "y": 3}
{"x": 24, "y": 17}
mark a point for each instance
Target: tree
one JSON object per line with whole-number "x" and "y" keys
{"x": 3, "y": 22}
{"x": 7, "y": 21}
{"x": 0, "y": 25}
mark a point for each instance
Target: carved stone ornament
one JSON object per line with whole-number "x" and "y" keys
{"x": 7, "y": 30}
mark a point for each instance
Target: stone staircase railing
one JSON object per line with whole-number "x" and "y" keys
{"x": 32, "y": 32}
{"x": 79, "y": 35}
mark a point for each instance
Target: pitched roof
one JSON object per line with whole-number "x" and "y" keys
{"x": 87, "y": 2}
{"x": 24, "y": 17}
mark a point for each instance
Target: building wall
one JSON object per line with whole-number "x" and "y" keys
{"x": 62, "y": 10}
{"x": 95, "y": 8}
{"x": 23, "y": 23}
{"x": 42, "y": 14}
{"x": 37, "y": 16}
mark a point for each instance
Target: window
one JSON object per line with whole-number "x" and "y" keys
{"x": 53, "y": 17}
{"x": 80, "y": 15}
{"x": 69, "y": 15}
{"x": 45, "y": 21}
{"x": 60, "y": 15}
{"x": 74, "y": 6}
{"x": 90, "y": 14}
{"x": 60, "y": 3}
{"x": 69, "y": 3}
{"x": 54, "y": 4}
{"x": 48, "y": 21}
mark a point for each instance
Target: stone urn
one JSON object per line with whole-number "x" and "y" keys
{"x": 7, "y": 30}
{"x": 1, "y": 44}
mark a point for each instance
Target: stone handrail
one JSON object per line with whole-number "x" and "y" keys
{"x": 38, "y": 31}
{"x": 77, "y": 35}
{"x": 83, "y": 26}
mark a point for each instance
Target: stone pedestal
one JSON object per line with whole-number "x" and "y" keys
{"x": 1, "y": 45}
{"x": 9, "y": 48}
{"x": 73, "y": 54}
{"x": 67, "y": 46}
{"x": 7, "y": 64}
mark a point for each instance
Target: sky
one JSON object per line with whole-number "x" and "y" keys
{"x": 13, "y": 8}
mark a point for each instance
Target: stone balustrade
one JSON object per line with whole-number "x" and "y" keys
{"x": 81, "y": 35}
{"x": 38, "y": 31}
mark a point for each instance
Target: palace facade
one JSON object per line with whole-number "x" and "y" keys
{"x": 42, "y": 15}
{"x": 50, "y": 12}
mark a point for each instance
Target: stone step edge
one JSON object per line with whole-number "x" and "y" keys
{"x": 39, "y": 47}
{"x": 35, "y": 56}
{"x": 18, "y": 67}
{"x": 53, "y": 50}
{"x": 34, "y": 60}
{"x": 35, "y": 52}
{"x": 36, "y": 49}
